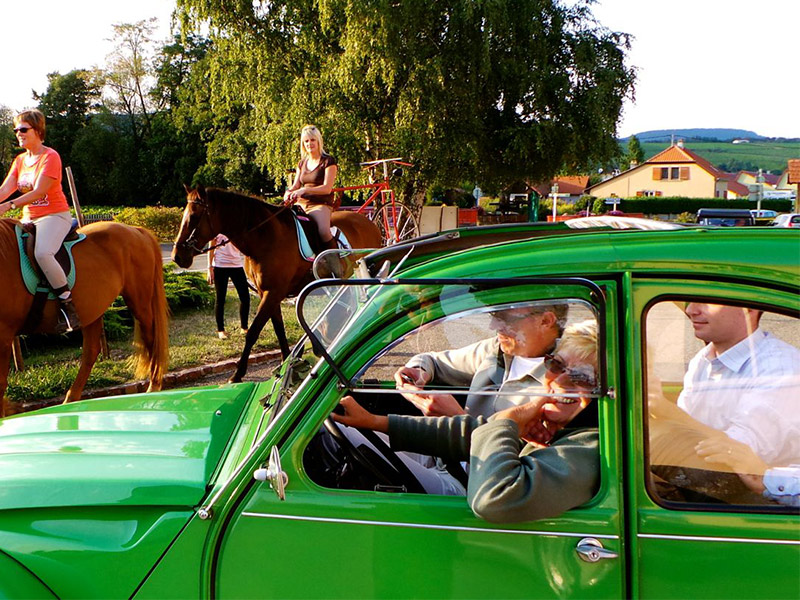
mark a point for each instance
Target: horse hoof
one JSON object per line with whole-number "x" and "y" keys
{"x": 235, "y": 379}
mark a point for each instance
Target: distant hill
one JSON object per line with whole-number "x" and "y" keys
{"x": 718, "y": 135}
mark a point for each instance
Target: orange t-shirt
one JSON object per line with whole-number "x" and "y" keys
{"x": 48, "y": 164}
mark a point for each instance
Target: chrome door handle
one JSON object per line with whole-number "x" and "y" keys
{"x": 591, "y": 550}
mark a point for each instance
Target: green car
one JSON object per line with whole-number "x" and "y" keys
{"x": 252, "y": 490}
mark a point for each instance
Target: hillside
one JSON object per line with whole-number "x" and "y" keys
{"x": 711, "y": 135}
{"x": 770, "y": 155}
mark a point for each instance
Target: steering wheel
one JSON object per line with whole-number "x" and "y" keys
{"x": 407, "y": 478}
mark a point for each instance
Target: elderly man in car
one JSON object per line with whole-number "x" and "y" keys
{"x": 510, "y": 361}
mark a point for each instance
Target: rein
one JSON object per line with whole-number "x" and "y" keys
{"x": 189, "y": 241}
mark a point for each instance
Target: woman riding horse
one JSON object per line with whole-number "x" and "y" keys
{"x": 267, "y": 236}
{"x": 36, "y": 175}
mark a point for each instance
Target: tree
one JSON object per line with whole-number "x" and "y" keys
{"x": 129, "y": 75}
{"x": 635, "y": 154}
{"x": 466, "y": 89}
{"x": 67, "y": 104}
{"x": 8, "y": 142}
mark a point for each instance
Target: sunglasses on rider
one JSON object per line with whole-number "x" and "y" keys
{"x": 576, "y": 376}
{"x": 22, "y": 129}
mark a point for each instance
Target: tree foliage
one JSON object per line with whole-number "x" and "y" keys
{"x": 488, "y": 90}
{"x": 635, "y": 153}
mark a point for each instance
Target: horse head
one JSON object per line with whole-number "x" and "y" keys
{"x": 197, "y": 227}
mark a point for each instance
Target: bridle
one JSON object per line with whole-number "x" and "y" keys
{"x": 190, "y": 243}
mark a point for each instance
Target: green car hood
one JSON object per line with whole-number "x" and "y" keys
{"x": 144, "y": 450}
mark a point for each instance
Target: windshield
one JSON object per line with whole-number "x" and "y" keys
{"x": 389, "y": 321}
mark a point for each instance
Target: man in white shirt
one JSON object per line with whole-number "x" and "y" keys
{"x": 745, "y": 382}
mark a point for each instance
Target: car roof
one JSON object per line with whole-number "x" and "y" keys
{"x": 431, "y": 246}
{"x": 759, "y": 253}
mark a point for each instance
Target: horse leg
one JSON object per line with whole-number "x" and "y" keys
{"x": 5, "y": 356}
{"x": 266, "y": 310}
{"x": 91, "y": 349}
{"x": 280, "y": 332}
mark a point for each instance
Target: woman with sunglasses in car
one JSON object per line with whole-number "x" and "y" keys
{"x": 36, "y": 175}
{"x": 526, "y": 462}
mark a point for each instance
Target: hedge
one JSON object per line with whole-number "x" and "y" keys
{"x": 677, "y": 205}
{"x": 163, "y": 221}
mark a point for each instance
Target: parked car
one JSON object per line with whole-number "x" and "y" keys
{"x": 725, "y": 217}
{"x": 791, "y": 220}
{"x": 763, "y": 214}
{"x": 245, "y": 490}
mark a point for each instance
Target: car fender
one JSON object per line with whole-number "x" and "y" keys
{"x": 19, "y": 582}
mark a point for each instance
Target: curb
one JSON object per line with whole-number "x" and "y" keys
{"x": 171, "y": 380}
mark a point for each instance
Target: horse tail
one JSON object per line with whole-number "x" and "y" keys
{"x": 152, "y": 359}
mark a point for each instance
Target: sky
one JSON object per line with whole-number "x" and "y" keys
{"x": 700, "y": 63}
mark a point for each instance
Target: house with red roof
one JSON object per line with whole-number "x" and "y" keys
{"x": 570, "y": 187}
{"x": 676, "y": 171}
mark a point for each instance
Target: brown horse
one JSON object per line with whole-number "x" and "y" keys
{"x": 267, "y": 236}
{"x": 113, "y": 260}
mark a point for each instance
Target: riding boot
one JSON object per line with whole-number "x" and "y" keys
{"x": 67, "y": 316}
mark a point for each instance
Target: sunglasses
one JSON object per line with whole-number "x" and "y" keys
{"x": 22, "y": 129}
{"x": 510, "y": 319}
{"x": 576, "y": 376}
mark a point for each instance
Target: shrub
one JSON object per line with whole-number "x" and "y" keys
{"x": 685, "y": 217}
{"x": 163, "y": 221}
{"x": 187, "y": 289}
{"x": 184, "y": 290}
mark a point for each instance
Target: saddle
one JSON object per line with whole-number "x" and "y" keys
{"x": 308, "y": 239}
{"x": 32, "y": 275}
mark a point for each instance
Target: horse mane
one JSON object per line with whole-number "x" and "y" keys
{"x": 250, "y": 212}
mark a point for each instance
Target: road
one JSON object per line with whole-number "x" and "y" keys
{"x": 200, "y": 262}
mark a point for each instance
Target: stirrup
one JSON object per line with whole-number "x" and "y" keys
{"x": 67, "y": 317}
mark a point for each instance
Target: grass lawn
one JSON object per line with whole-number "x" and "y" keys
{"x": 51, "y": 365}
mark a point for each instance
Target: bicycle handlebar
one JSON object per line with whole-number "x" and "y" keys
{"x": 398, "y": 161}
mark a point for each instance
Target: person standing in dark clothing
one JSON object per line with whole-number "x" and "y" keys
{"x": 225, "y": 263}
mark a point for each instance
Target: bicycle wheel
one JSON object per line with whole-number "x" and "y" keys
{"x": 396, "y": 223}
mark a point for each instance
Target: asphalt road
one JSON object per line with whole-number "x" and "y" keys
{"x": 200, "y": 262}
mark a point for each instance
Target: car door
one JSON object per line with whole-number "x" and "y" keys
{"x": 342, "y": 543}
{"x": 697, "y": 530}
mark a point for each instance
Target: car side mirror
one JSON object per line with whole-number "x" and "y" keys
{"x": 277, "y": 478}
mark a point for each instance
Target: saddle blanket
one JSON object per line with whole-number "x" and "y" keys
{"x": 305, "y": 247}
{"x": 33, "y": 281}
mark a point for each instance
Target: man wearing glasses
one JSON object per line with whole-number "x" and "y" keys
{"x": 512, "y": 360}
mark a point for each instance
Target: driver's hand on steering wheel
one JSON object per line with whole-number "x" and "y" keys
{"x": 356, "y": 415}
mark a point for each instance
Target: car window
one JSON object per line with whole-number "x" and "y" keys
{"x": 722, "y": 419}
{"x": 484, "y": 353}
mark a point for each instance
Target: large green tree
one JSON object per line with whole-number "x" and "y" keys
{"x": 67, "y": 104}
{"x": 486, "y": 90}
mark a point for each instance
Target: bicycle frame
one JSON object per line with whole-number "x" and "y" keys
{"x": 382, "y": 190}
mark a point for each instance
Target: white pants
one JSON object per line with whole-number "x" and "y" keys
{"x": 50, "y": 233}
{"x": 434, "y": 479}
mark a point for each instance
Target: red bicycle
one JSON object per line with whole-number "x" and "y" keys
{"x": 395, "y": 220}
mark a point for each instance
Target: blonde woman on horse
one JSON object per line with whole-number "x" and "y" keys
{"x": 312, "y": 187}
{"x": 36, "y": 175}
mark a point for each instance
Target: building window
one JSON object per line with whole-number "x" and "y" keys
{"x": 670, "y": 173}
